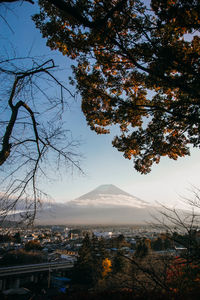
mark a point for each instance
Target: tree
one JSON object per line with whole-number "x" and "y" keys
{"x": 168, "y": 243}
{"x": 17, "y": 237}
{"x": 34, "y": 141}
{"x": 32, "y": 245}
{"x": 141, "y": 249}
{"x": 33, "y": 138}
{"x": 107, "y": 267}
{"x": 118, "y": 242}
{"x": 118, "y": 262}
{"x": 92, "y": 264}
{"x": 83, "y": 268}
{"x": 157, "y": 244}
{"x": 136, "y": 66}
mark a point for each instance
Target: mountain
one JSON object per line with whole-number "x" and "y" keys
{"x": 109, "y": 189}
{"x": 107, "y": 204}
{"x": 108, "y": 195}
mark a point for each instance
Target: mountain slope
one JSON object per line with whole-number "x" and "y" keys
{"x": 108, "y": 189}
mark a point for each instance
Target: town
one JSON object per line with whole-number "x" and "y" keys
{"x": 56, "y": 249}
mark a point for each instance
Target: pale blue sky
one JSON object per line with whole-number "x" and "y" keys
{"x": 102, "y": 163}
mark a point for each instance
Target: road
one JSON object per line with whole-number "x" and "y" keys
{"x": 25, "y": 269}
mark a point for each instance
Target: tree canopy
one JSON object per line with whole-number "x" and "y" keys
{"x": 137, "y": 66}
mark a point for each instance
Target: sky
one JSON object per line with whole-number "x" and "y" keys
{"x": 168, "y": 181}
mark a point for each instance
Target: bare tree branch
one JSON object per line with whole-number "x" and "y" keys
{"x": 29, "y": 141}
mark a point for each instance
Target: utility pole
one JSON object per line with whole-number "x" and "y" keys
{"x": 49, "y": 278}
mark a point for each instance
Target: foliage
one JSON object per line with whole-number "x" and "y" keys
{"x": 17, "y": 257}
{"x": 136, "y": 66}
{"x": 106, "y": 264}
{"x": 142, "y": 249}
{"x": 5, "y": 238}
{"x": 118, "y": 242}
{"x": 17, "y": 237}
{"x": 157, "y": 244}
{"x": 182, "y": 276}
{"x": 118, "y": 262}
{"x": 32, "y": 245}
{"x": 119, "y": 294}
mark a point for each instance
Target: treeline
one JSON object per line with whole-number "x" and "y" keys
{"x": 21, "y": 257}
{"x": 16, "y": 238}
{"x": 30, "y": 254}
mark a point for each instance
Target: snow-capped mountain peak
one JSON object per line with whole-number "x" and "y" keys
{"x": 108, "y": 195}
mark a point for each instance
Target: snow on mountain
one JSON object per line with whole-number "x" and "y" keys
{"x": 107, "y": 204}
{"x": 108, "y": 195}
